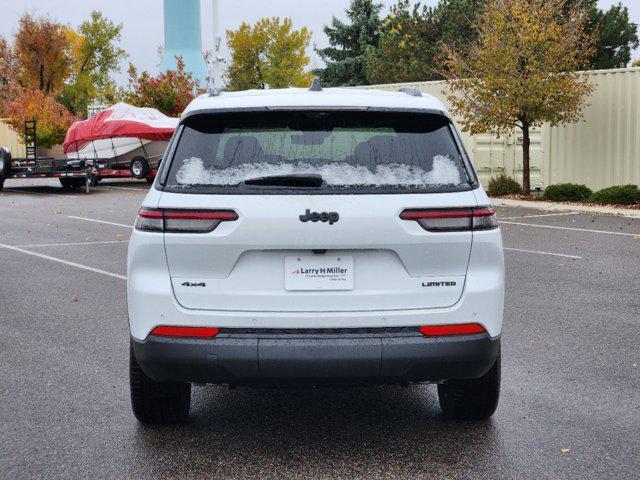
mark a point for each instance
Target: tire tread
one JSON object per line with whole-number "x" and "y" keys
{"x": 472, "y": 399}
{"x": 157, "y": 402}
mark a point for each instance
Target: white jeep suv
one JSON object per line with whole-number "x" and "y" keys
{"x": 313, "y": 237}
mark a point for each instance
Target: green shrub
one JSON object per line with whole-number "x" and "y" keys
{"x": 617, "y": 195}
{"x": 503, "y": 185}
{"x": 567, "y": 192}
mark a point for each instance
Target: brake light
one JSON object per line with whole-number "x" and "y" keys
{"x": 182, "y": 221}
{"x": 444, "y": 330}
{"x": 483, "y": 218}
{"x": 185, "y": 332}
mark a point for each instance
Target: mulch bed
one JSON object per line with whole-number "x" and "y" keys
{"x": 538, "y": 198}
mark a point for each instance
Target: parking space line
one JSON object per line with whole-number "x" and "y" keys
{"x": 64, "y": 262}
{"x": 568, "y": 228}
{"x": 95, "y": 220}
{"x": 123, "y": 188}
{"x": 71, "y": 244}
{"x": 13, "y": 190}
{"x": 541, "y": 215}
{"x": 573, "y": 257}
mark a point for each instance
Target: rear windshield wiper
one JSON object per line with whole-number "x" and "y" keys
{"x": 311, "y": 180}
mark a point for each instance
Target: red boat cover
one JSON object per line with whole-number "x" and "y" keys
{"x": 120, "y": 120}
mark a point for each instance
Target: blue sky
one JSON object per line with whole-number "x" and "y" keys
{"x": 142, "y": 32}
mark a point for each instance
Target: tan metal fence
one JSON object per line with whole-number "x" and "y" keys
{"x": 601, "y": 150}
{"x": 9, "y": 139}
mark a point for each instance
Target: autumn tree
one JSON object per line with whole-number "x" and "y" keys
{"x": 349, "y": 42}
{"x": 412, "y": 36}
{"x": 96, "y": 54}
{"x": 72, "y": 65}
{"x": 52, "y": 118}
{"x": 169, "y": 91}
{"x": 522, "y": 72}
{"x": 43, "y": 52}
{"x": 9, "y": 86}
{"x": 269, "y": 54}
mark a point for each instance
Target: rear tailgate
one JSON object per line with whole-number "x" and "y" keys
{"x": 242, "y": 264}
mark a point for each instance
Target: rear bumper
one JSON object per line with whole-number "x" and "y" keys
{"x": 375, "y": 357}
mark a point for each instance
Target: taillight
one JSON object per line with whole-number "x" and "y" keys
{"x": 483, "y": 218}
{"x": 182, "y": 221}
{"x": 185, "y": 332}
{"x": 459, "y": 329}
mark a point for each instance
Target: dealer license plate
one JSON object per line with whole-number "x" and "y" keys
{"x": 318, "y": 272}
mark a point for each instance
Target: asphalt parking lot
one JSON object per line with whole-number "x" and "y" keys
{"x": 571, "y": 366}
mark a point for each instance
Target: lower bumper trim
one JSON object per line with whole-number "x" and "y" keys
{"x": 280, "y": 358}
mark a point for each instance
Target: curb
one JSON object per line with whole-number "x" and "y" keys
{"x": 566, "y": 207}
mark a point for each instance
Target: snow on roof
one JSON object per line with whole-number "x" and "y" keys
{"x": 302, "y": 97}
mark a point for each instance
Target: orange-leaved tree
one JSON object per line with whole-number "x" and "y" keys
{"x": 43, "y": 49}
{"x": 52, "y": 118}
{"x": 522, "y": 71}
{"x": 170, "y": 91}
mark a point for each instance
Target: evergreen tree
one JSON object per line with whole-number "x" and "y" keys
{"x": 616, "y": 36}
{"x": 412, "y": 37}
{"x": 348, "y": 43}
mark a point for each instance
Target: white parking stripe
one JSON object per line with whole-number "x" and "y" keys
{"x": 568, "y": 228}
{"x": 541, "y": 215}
{"x": 573, "y": 257}
{"x": 124, "y": 188}
{"x": 71, "y": 244}
{"x": 64, "y": 262}
{"x": 100, "y": 221}
{"x": 28, "y": 192}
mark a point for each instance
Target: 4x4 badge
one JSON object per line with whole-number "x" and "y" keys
{"x": 331, "y": 217}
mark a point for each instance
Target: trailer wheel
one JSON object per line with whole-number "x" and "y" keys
{"x": 140, "y": 168}
{"x": 72, "y": 183}
{"x": 5, "y": 162}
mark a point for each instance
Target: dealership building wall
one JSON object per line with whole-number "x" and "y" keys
{"x": 601, "y": 150}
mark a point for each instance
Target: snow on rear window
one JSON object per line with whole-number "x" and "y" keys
{"x": 444, "y": 172}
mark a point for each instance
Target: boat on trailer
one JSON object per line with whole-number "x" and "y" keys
{"x": 131, "y": 140}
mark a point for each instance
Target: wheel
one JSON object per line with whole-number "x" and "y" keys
{"x": 71, "y": 183}
{"x": 1, "y": 183}
{"x": 140, "y": 168}
{"x": 472, "y": 399}
{"x": 5, "y": 162}
{"x": 95, "y": 180}
{"x": 157, "y": 402}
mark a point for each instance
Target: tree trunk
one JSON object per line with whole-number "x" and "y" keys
{"x": 526, "y": 157}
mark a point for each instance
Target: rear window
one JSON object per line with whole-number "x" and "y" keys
{"x": 350, "y": 151}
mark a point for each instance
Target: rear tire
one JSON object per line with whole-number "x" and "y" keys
{"x": 140, "y": 168}
{"x": 72, "y": 183}
{"x": 472, "y": 399}
{"x": 5, "y": 162}
{"x": 154, "y": 402}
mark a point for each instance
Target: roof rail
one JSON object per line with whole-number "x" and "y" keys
{"x": 315, "y": 85}
{"x": 413, "y": 91}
